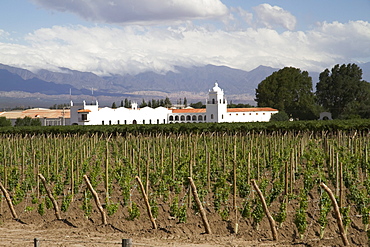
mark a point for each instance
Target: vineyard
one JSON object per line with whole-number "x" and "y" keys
{"x": 141, "y": 183}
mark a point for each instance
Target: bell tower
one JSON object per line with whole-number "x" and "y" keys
{"x": 216, "y": 106}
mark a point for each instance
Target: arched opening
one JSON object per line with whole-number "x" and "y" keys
{"x": 171, "y": 118}
{"x": 194, "y": 118}
{"x": 176, "y": 118}
{"x": 211, "y": 116}
{"x": 134, "y": 122}
{"x": 200, "y": 118}
{"x": 188, "y": 118}
{"x": 213, "y": 101}
{"x": 182, "y": 118}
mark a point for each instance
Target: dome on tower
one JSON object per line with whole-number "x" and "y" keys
{"x": 216, "y": 88}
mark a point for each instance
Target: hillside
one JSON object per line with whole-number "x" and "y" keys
{"x": 36, "y": 88}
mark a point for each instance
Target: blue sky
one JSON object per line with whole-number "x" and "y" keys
{"x": 124, "y": 36}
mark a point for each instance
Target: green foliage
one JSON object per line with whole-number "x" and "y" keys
{"x": 86, "y": 203}
{"x": 27, "y": 121}
{"x": 66, "y": 202}
{"x": 257, "y": 213}
{"x": 48, "y": 203}
{"x": 133, "y": 212}
{"x": 19, "y": 195}
{"x": 300, "y": 219}
{"x": 154, "y": 207}
{"x": 345, "y": 216}
{"x": 112, "y": 208}
{"x": 41, "y": 208}
{"x": 5, "y": 122}
{"x": 288, "y": 90}
{"x": 177, "y": 211}
{"x": 343, "y": 92}
{"x": 280, "y": 217}
{"x": 198, "y": 105}
{"x": 280, "y": 116}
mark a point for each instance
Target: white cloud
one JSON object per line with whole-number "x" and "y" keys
{"x": 139, "y": 11}
{"x": 135, "y": 49}
{"x": 274, "y": 16}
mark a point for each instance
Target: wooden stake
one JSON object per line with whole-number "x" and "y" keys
{"x": 267, "y": 212}
{"x": 97, "y": 201}
{"x": 9, "y": 201}
{"x": 337, "y": 214}
{"x": 154, "y": 224}
{"x": 201, "y": 209}
{"x": 50, "y": 195}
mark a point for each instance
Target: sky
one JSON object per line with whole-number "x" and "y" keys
{"x": 110, "y": 37}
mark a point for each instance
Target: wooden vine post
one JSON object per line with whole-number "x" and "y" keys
{"x": 9, "y": 201}
{"x": 50, "y": 195}
{"x": 149, "y": 210}
{"x": 97, "y": 201}
{"x": 201, "y": 209}
{"x": 267, "y": 212}
{"x": 337, "y": 214}
{"x": 235, "y": 190}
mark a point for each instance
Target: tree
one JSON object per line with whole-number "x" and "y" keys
{"x": 143, "y": 104}
{"x": 280, "y": 116}
{"x": 5, "y": 122}
{"x": 127, "y": 103}
{"x": 167, "y": 102}
{"x": 198, "y": 105}
{"x": 27, "y": 121}
{"x": 288, "y": 90}
{"x": 343, "y": 92}
{"x": 185, "y": 102}
{"x": 114, "y": 106}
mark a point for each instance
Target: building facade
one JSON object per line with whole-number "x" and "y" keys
{"x": 216, "y": 112}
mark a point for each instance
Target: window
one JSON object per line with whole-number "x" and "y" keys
{"x": 188, "y": 118}
{"x": 222, "y": 116}
{"x": 118, "y": 122}
{"x": 213, "y": 101}
{"x": 263, "y": 114}
{"x": 194, "y": 118}
{"x": 158, "y": 120}
{"x": 200, "y": 118}
{"x": 171, "y": 118}
{"x": 150, "y": 121}
{"x": 164, "y": 121}
{"x": 125, "y": 121}
{"x": 182, "y": 118}
{"x": 143, "y": 121}
{"x": 83, "y": 117}
{"x": 176, "y": 118}
{"x": 256, "y": 113}
{"x": 102, "y": 122}
{"x": 243, "y": 114}
{"x": 236, "y": 114}
{"x": 205, "y": 118}
{"x": 110, "y": 122}
{"x": 250, "y": 113}
{"x": 211, "y": 116}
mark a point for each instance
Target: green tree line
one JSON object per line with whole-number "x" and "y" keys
{"x": 340, "y": 91}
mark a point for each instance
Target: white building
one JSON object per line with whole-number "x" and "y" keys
{"x": 216, "y": 112}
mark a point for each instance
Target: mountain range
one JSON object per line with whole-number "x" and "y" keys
{"x": 44, "y": 88}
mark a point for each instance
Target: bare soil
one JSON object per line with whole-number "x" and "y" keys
{"x": 77, "y": 230}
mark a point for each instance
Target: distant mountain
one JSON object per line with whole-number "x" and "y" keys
{"x": 193, "y": 80}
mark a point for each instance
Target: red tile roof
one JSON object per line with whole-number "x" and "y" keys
{"x": 84, "y": 110}
{"x": 189, "y": 110}
{"x": 37, "y": 113}
{"x": 256, "y": 109}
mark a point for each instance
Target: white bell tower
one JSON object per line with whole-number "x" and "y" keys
{"x": 216, "y": 106}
